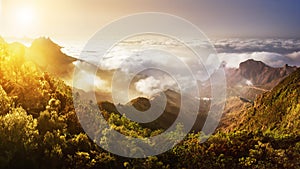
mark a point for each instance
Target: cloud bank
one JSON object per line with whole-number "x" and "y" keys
{"x": 134, "y": 55}
{"x": 282, "y": 46}
{"x": 151, "y": 86}
{"x": 273, "y": 52}
{"x": 271, "y": 59}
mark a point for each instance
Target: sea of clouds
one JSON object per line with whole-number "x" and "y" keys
{"x": 134, "y": 54}
{"x": 274, "y": 52}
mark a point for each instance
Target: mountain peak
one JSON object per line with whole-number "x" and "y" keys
{"x": 49, "y": 57}
{"x": 251, "y": 63}
{"x": 140, "y": 103}
{"x": 45, "y": 41}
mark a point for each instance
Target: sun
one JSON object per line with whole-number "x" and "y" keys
{"x": 25, "y": 16}
{"x": 23, "y": 20}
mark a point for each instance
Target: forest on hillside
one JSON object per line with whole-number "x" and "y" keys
{"x": 39, "y": 128}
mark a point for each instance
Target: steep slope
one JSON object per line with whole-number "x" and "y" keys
{"x": 26, "y": 84}
{"x": 277, "y": 110}
{"x": 245, "y": 84}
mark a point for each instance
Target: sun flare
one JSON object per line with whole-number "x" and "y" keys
{"x": 25, "y": 16}
{"x": 23, "y": 19}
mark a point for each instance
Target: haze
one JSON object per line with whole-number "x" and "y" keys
{"x": 80, "y": 19}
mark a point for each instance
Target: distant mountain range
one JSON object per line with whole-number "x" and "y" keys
{"x": 258, "y": 96}
{"x": 253, "y": 79}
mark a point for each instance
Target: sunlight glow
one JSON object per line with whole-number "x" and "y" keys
{"x": 23, "y": 20}
{"x": 25, "y": 16}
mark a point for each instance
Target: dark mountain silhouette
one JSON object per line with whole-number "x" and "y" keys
{"x": 49, "y": 57}
{"x": 140, "y": 103}
{"x": 44, "y": 53}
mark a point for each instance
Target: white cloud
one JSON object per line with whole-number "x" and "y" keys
{"x": 271, "y": 59}
{"x": 87, "y": 81}
{"x": 295, "y": 56}
{"x": 151, "y": 86}
{"x": 132, "y": 57}
{"x": 282, "y": 46}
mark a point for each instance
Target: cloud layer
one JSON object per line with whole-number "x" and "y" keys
{"x": 282, "y": 46}
{"x": 271, "y": 59}
{"x": 274, "y": 52}
{"x": 151, "y": 86}
{"x": 131, "y": 57}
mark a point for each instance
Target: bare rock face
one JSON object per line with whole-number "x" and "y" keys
{"x": 258, "y": 73}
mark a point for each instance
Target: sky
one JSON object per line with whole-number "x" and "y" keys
{"x": 80, "y": 19}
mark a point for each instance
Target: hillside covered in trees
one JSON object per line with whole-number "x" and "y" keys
{"x": 39, "y": 127}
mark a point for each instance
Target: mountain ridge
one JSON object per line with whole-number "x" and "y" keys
{"x": 257, "y": 73}
{"x": 277, "y": 109}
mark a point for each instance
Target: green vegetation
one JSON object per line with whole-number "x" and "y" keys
{"x": 39, "y": 128}
{"x": 277, "y": 111}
